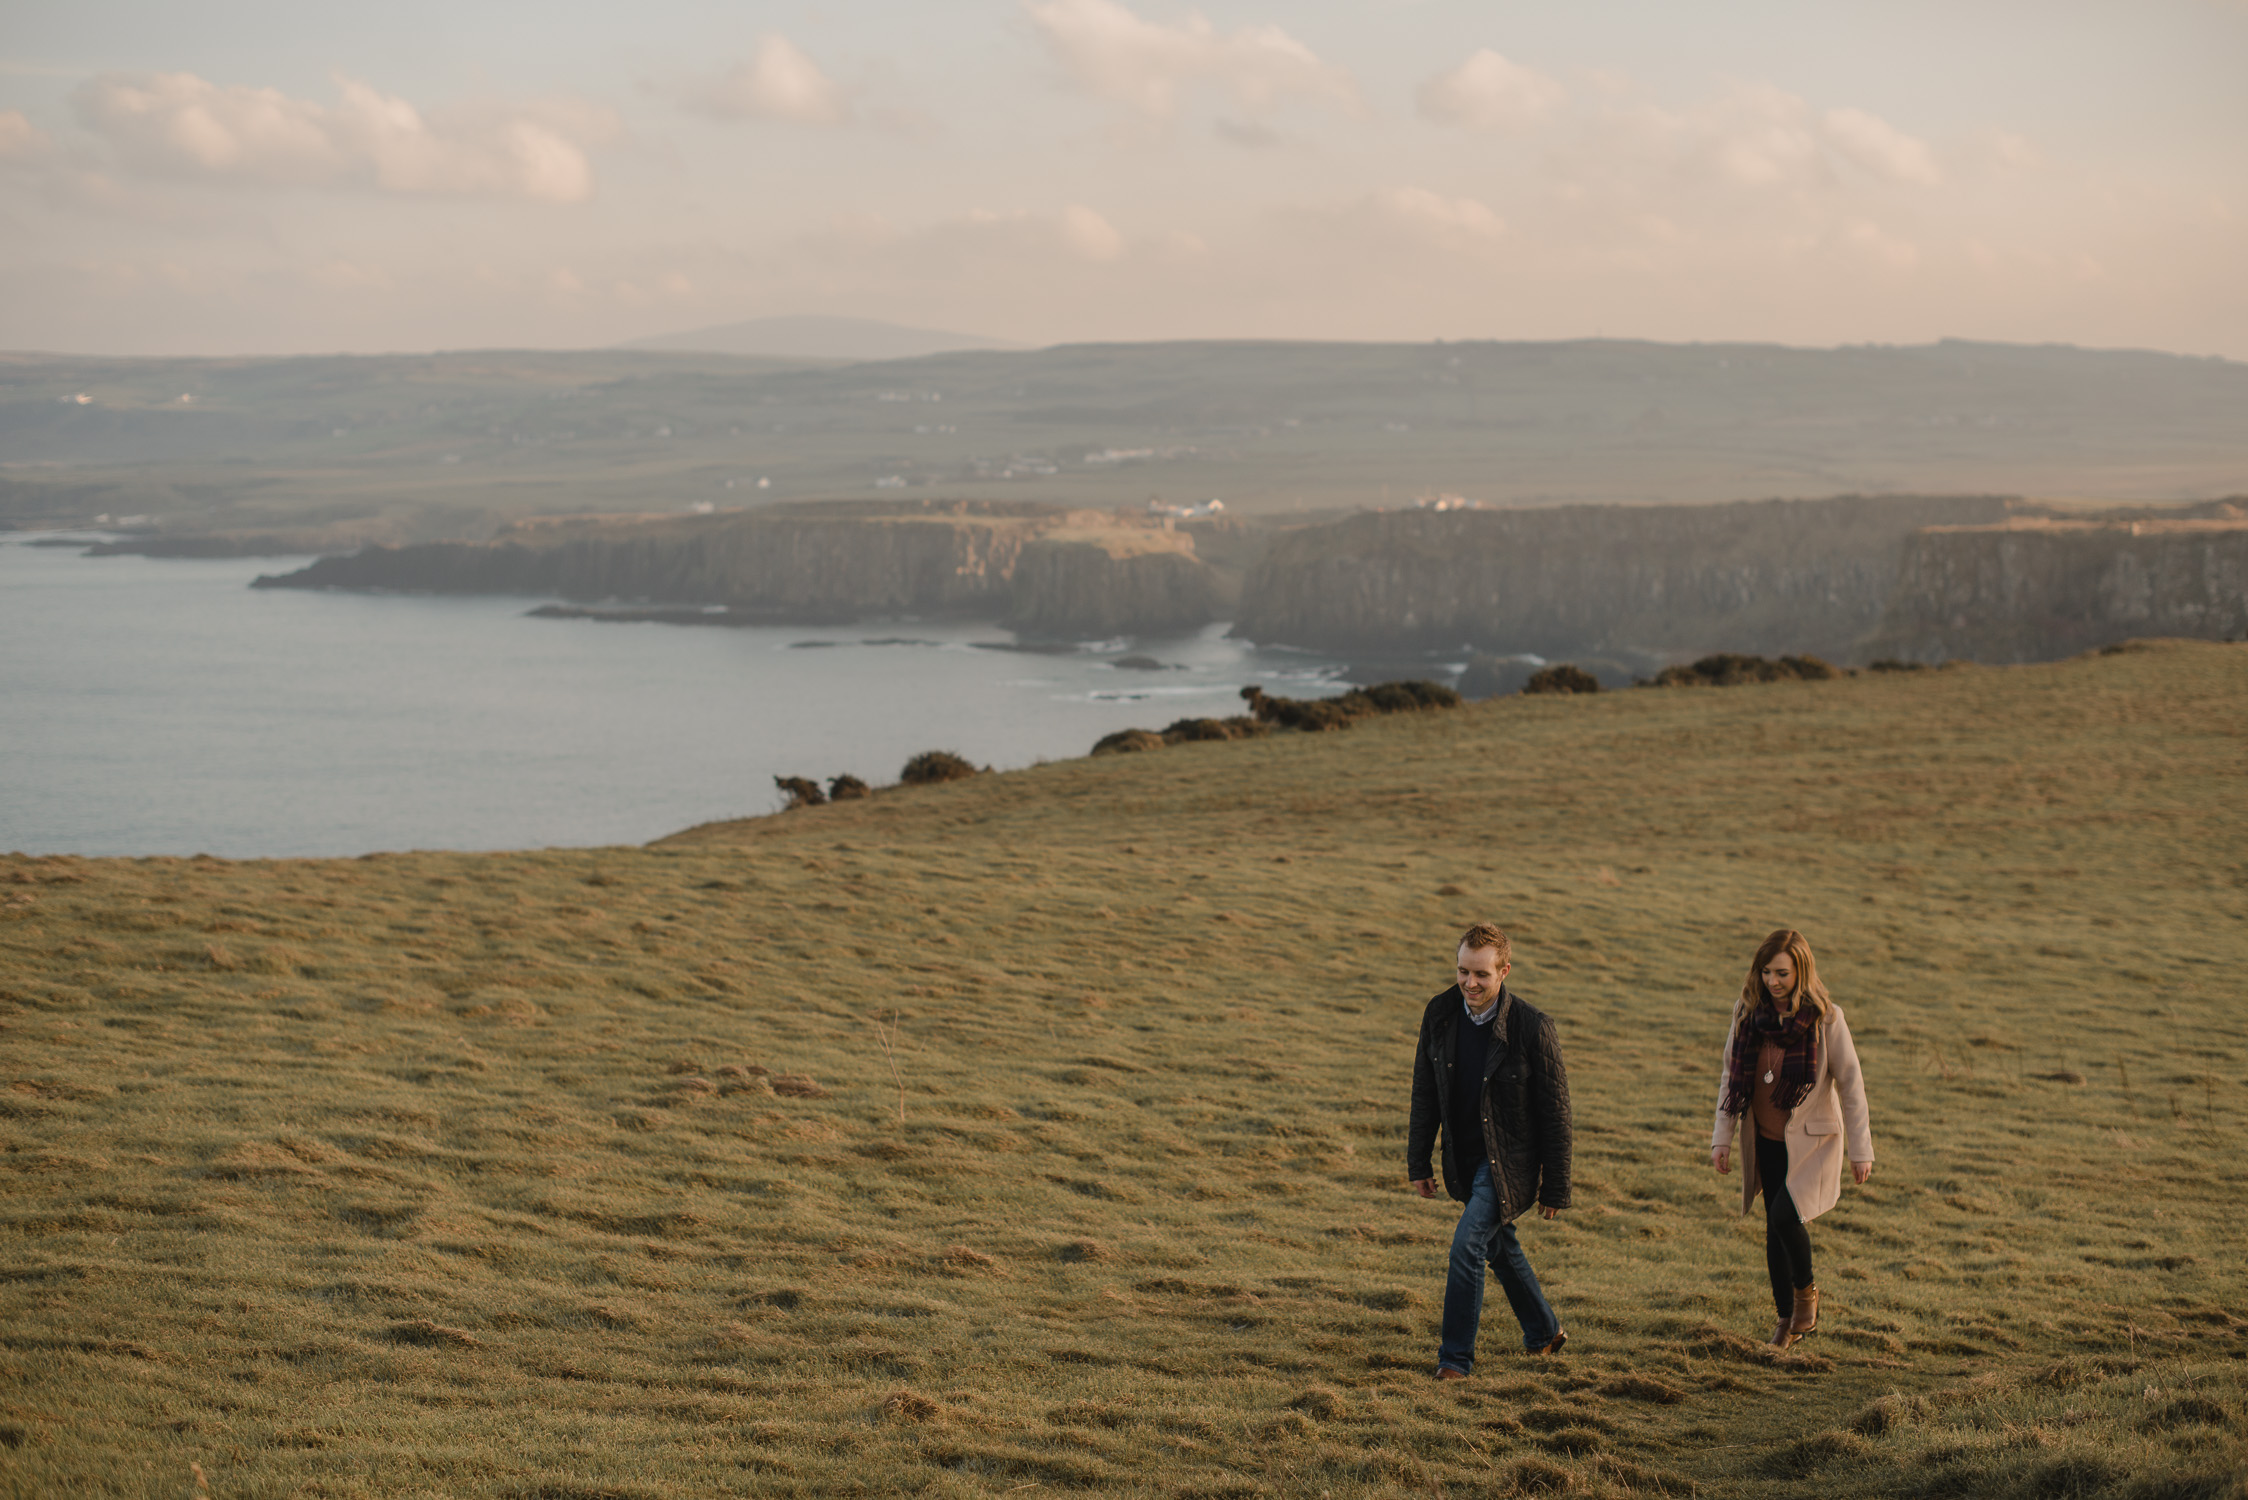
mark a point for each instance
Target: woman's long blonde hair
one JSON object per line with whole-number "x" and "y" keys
{"x": 1807, "y": 986}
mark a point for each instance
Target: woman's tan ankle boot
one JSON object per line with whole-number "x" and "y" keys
{"x": 1806, "y": 1319}
{"x": 1783, "y": 1336}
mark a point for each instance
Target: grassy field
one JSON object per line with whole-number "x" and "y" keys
{"x": 1043, "y": 1131}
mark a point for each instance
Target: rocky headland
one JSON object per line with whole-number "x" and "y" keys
{"x": 1622, "y": 590}
{"x": 2033, "y": 588}
{"x": 1042, "y": 569}
{"x": 1681, "y": 580}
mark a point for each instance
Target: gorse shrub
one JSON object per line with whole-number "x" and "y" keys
{"x": 1397, "y": 698}
{"x": 1267, "y": 713}
{"x": 932, "y": 766}
{"x": 1727, "y": 669}
{"x": 802, "y": 791}
{"x": 1337, "y": 712}
{"x": 1561, "y": 678}
{"x": 1312, "y": 715}
{"x": 845, "y": 787}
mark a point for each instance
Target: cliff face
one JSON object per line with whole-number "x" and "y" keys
{"x": 1087, "y": 572}
{"x": 1766, "y": 576}
{"x": 2040, "y": 588}
{"x": 1092, "y": 584}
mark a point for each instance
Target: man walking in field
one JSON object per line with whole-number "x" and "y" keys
{"x": 1487, "y": 1076}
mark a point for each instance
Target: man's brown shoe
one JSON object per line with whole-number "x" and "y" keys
{"x": 1806, "y": 1319}
{"x": 1555, "y": 1347}
{"x": 1446, "y": 1372}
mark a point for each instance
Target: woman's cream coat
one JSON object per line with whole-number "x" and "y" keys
{"x": 1832, "y": 1113}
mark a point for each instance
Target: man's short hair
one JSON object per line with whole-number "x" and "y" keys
{"x": 1487, "y": 935}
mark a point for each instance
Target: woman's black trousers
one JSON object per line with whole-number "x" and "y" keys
{"x": 1787, "y": 1244}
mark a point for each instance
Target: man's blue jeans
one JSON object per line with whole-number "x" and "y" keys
{"x": 1481, "y": 1239}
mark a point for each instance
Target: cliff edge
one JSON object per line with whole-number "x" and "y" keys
{"x": 2033, "y": 588}
{"x": 1761, "y": 576}
{"x": 1044, "y": 569}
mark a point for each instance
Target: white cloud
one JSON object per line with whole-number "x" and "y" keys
{"x": 20, "y": 140}
{"x": 1147, "y": 65}
{"x": 1488, "y": 92}
{"x": 1761, "y": 137}
{"x": 1089, "y": 235}
{"x": 1879, "y": 147}
{"x": 777, "y": 83}
{"x": 176, "y": 124}
{"x": 1448, "y": 223}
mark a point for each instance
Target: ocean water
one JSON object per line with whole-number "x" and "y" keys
{"x": 161, "y": 706}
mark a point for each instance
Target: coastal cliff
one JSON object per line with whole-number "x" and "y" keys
{"x": 1850, "y": 579}
{"x": 1762, "y": 576}
{"x": 2035, "y": 588}
{"x": 1116, "y": 582}
{"x": 1044, "y": 569}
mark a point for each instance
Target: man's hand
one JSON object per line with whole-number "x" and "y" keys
{"x": 1425, "y": 1186}
{"x": 1548, "y": 1212}
{"x": 1721, "y": 1157}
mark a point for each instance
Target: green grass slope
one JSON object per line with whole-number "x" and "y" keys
{"x": 1043, "y": 1131}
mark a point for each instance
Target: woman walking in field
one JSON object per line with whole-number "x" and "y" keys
{"x": 1790, "y": 1068}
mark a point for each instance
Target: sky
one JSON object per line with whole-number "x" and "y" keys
{"x": 295, "y": 176}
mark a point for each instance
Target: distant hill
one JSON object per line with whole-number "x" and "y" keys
{"x": 817, "y": 338}
{"x": 449, "y": 446}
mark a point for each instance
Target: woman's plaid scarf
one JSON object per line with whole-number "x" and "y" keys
{"x": 1799, "y": 1064}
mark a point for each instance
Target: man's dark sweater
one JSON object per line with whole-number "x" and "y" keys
{"x": 1466, "y": 1125}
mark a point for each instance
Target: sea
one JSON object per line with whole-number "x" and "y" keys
{"x": 161, "y": 706}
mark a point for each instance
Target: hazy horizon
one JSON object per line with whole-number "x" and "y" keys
{"x": 259, "y": 178}
{"x": 678, "y": 341}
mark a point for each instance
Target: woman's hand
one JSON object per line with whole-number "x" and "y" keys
{"x": 1721, "y": 1157}
{"x": 1861, "y": 1170}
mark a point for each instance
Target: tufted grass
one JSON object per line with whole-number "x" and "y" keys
{"x": 1043, "y": 1131}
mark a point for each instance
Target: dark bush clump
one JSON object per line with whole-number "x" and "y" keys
{"x": 1561, "y": 678}
{"x": 1267, "y": 713}
{"x": 1891, "y": 664}
{"x": 1399, "y": 697}
{"x": 1185, "y": 730}
{"x": 1312, "y": 714}
{"x": 932, "y": 766}
{"x": 802, "y": 791}
{"x": 845, "y": 787}
{"x": 1316, "y": 714}
{"x": 1728, "y": 669}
